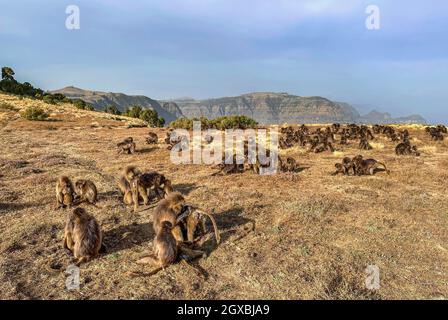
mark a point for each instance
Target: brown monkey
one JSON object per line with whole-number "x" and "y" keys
{"x": 339, "y": 169}
{"x": 130, "y": 172}
{"x": 64, "y": 192}
{"x": 141, "y": 185}
{"x": 158, "y": 182}
{"x": 152, "y": 138}
{"x": 127, "y": 146}
{"x": 165, "y": 247}
{"x": 191, "y": 217}
{"x": 348, "y": 165}
{"x": 168, "y": 209}
{"x": 125, "y": 189}
{"x": 82, "y": 235}
{"x": 364, "y": 144}
{"x": 367, "y": 166}
{"x": 86, "y": 190}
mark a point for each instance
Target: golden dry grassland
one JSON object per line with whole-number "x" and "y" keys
{"x": 314, "y": 234}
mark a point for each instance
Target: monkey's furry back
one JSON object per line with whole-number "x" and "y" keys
{"x": 88, "y": 239}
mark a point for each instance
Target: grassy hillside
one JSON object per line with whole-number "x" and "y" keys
{"x": 314, "y": 233}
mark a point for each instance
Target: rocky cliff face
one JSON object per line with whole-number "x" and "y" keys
{"x": 385, "y": 118}
{"x": 264, "y": 107}
{"x": 169, "y": 111}
{"x": 270, "y": 108}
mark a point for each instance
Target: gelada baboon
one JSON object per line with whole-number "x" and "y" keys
{"x": 125, "y": 189}
{"x": 64, "y": 192}
{"x": 141, "y": 185}
{"x": 152, "y": 138}
{"x": 160, "y": 184}
{"x": 127, "y": 146}
{"x": 123, "y": 183}
{"x": 405, "y": 148}
{"x": 86, "y": 191}
{"x": 165, "y": 247}
{"x": 367, "y": 166}
{"x": 191, "y": 218}
{"x": 288, "y": 165}
{"x": 82, "y": 236}
{"x": 346, "y": 167}
{"x": 340, "y": 169}
{"x": 169, "y": 209}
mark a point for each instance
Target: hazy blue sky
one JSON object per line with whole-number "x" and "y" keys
{"x": 211, "y": 48}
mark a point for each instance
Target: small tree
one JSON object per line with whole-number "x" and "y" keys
{"x": 89, "y": 107}
{"x": 133, "y": 112}
{"x": 49, "y": 99}
{"x": 7, "y": 73}
{"x": 112, "y": 110}
{"x": 80, "y": 104}
{"x": 152, "y": 118}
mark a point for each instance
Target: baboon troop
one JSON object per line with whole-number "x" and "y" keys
{"x": 181, "y": 227}
{"x": 127, "y": 146}
{"x": 82, "y": 236}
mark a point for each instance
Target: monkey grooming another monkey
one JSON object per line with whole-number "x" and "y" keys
{"x": 82, "y": 236}
{"x": 86, "y": 191}
{"x": 64, "y": 192}
{"x": 367, "y": 166}
{"x": 190, "y": 217}
{"x": 169, "y": 209}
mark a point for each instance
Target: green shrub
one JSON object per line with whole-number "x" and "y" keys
{"x": 182, "y": 123}
{"x": 133, "y": 112}
{"x": 80, "y": 104}
{"x": 34, "y": 114}
{"x": 151, "y": 117}
{"x": 49, "y": 99}
{"x": 221, "y": 123}
{"x": 112, "y": 110}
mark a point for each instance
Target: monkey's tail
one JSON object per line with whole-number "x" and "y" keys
{"x": 215, "y": 226}
{"x": 385, "y": 168}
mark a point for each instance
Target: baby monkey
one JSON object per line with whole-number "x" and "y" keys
{"x": 64, "y": 192}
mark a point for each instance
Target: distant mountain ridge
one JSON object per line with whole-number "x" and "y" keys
{"x": 100, "y": 100}
{"x": 264, "y": 107}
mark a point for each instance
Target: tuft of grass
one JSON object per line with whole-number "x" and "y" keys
{"x": 34, "y": 114}
{"x": 7, "y": 107}
{"x": 338, "y": 154}
{"x": 428, "y": 149}
{"x": 377, "y": 145}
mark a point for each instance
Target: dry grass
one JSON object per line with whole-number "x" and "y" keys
{"x": 314, "y": 233}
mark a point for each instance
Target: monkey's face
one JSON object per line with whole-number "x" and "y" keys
{"x": 67, "y": 189}
{"x": 177, "y": 207}
{"x": 79, "y": 185}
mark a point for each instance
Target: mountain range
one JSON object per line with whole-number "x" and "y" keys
{"x": 264, "y": 107}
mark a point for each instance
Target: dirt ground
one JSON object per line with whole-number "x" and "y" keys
{"x": 314, "y": 234}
